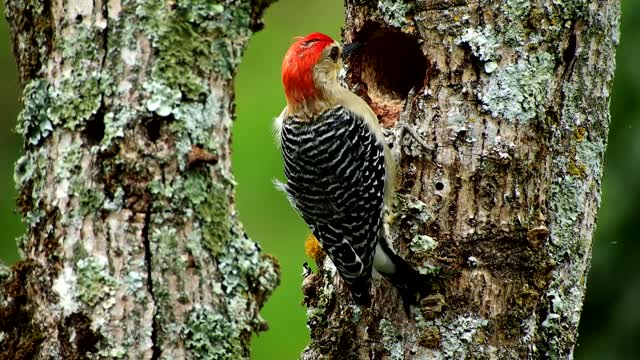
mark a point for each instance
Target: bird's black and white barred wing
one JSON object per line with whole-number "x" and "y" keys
{"x": 335, "y": 173}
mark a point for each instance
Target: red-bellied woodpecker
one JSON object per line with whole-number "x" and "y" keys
{"x": 339, "y": 169}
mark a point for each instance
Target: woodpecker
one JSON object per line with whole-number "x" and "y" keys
{"x": 339, "y": 169}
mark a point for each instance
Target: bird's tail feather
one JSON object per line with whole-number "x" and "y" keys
{"x": 411, "y": 284}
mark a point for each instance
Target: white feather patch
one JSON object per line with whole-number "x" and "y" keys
{"x": 382, "y": 262}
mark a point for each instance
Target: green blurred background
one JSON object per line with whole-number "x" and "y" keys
{"x": 610, "y": 326}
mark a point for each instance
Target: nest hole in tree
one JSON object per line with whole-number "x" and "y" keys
{"x": 94, "y": 129}
{"x": 154, "y": 126}
{"x": 390, "y": 64}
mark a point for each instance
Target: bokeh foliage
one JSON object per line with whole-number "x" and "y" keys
{"x": 610, "y": 323}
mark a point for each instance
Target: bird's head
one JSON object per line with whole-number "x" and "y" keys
{"x": 310, "y": 71}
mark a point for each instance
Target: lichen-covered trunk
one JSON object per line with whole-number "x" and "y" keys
{"x": 497, "y": 112}
{"x": 133, "y": 248}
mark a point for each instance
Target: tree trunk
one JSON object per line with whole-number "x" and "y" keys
{"x": 133, "y": 248}
{"x": 498, "y": 113}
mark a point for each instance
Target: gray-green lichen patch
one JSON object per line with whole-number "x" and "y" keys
{"x": 194, "y": 124}
{"x": 409, "y": 207}
{"x": 94, "y": 282}
{"x": 30, "y": 176}
{"x": 567, "y": 10}
{"x": 267, "y": 275}
{"x": 570, "y": 198}
{"x": 116, "y": 352}
{"x": 490, "y": 67}
{"x": 459, "y": 337}
{"x": 68, "y": 160}
{"x": 32, "y": 218}
{"x": 216, "y": 225}
{"x": 164, "y": 242}
{"x": 483, "y": 43}
{"x": 114, "y": 126}
{"x": 574, "y": 196}
{"x": 134, "y": 282}
{"x": 195, "y": 195}
{"x": 515, "y": 33}
{"x": 246, "y": 277}
{"x": 589, "y": 154}
{"x": 409, "y": 218}
{"x": 317, "y": 311}
{"x": 517, "y": 8}
{"x": 396, "y": 13}
{"x": 196, "y": 39}
{"x": 65, "y": 287}
{"x": 569, "y": 203}
{"x": 518, "y": 92}
{"x": 194, "y": 246}
{"x": 33, "y": 121}
{"x": 209, "y": 335}
{"x": 91, "y": 201}
{"x": 66, "y": 169}
{"x": 163, "y": 99}
{"x": 391, "y": 340}
{"x": 422, "y": 244}
{"x": 78, "y": 92}
{"x": 240, "y": 259}
{"x": 77, "y": 98}
{"x": 559, "y": 327}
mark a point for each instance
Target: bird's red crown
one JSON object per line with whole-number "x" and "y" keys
{"x": 297, "y": 67}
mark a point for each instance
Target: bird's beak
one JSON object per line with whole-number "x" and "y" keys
{"x": 350, "y": 49}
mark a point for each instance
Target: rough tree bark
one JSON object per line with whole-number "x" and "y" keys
{"x": 133, "y": 248}
{"x": 498, "y": 113}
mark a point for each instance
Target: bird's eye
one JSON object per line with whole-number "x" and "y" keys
{"x": 334, "y": 53}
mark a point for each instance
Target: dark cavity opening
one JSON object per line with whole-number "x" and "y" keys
{"x": 570, "y": 52}
{"x": 439, "y": 186}
{"x": 94, "y": 130}
{"x": 390, "y": 63}
{"x": 153, "y": 128}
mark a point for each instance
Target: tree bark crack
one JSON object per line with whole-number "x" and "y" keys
{"x": 430, "y": 5}
{"x": 105, "y": 36}
{"x": 477, "y": 191}
{"x": 155, "y": 348}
